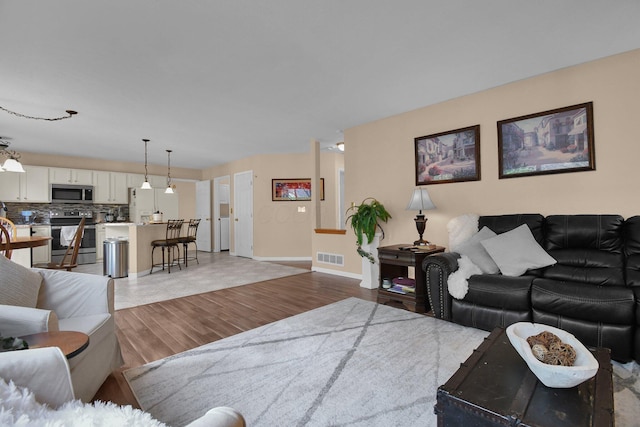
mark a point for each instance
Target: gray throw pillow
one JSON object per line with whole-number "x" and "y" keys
{"x": 477, "y": 253}
{"x": 18, "y": 285}
{"x": 517, "y": 251}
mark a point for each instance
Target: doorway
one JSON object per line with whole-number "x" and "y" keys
{"x": 221, "y": 203}
{"x": 203, "y": 211}
{"x": 243, "y": 214}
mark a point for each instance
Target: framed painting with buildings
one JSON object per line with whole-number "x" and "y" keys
{"x": 452, "y": 156}
{"x": 554, "y": 141}
{"x": 294, "y": 189}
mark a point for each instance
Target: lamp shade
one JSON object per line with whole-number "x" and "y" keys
{"x": 146, "y": 185}
{"x": 169, "y": 190}
{"x": 420, "y": 201}
{"x": 12, "y": 165}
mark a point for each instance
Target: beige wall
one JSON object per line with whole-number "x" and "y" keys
{"x": 280, "y": 231}
{"x": 379, "y": 156}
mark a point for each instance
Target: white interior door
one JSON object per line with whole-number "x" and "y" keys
{"x": 203, "y": 211}
{"x": 243, "y": 213}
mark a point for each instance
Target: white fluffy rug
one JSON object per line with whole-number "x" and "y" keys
{"x": 18, "y": 407}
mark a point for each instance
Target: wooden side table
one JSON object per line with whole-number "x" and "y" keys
{"x": 395, "y": 261}
{"x": 70, "y": 342}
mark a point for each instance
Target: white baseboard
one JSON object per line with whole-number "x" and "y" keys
{"x": 260, "y": 258}
{"x": 337, "y": 273}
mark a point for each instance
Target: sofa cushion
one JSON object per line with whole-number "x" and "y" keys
{"x": 503, "y": 223}
{"x": 604, "y": 304}
{"x": 477, "y": 253}
{"x": 589, "y": 248}
{"x": 517, "y": 251}
{"x": 18, "y": 285}
{"x": 504, "y": 292}
{"x": 632, "y": 250}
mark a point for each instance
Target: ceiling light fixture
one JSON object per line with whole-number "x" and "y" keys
{"x": 70, "y": 113}
{"x": 11, "y": 164}
{"x": 340, "y": 146}
{"x": 169, "y": 190}
{"x": 145, "y": 185}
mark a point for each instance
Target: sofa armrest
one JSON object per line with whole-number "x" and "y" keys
{"x": 16, "y": 321}
{"x": 72, "y": 294}
{"x": 44, "y": 371}
{"x": 437, "y": 269}
{"x": 221, "y": 416}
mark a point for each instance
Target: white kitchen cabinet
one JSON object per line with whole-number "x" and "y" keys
{"x": 158, "y": 181}
{"x": 135, "y": 180}
{"x": 41, "y": 254}
{"x": 110, "y": 187}
{"x": 100, "y": 236}
{"x": 22, "y": 256}
{"x": 32, "y": 186}
{"x": 70, "y": 176}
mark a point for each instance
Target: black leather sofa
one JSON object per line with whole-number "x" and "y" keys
{"x": 593, "y": 291}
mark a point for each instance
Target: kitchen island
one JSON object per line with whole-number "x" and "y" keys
{"x": 140, "y": 238}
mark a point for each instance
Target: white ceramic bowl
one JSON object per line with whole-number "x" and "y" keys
{"x": 585, "y": 366}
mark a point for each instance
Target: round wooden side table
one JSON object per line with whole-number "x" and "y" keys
{"x": 71, "y": 343}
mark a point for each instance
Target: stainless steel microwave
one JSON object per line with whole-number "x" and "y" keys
{"x": 66, "y": 193}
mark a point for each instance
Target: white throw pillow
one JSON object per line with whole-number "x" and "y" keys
{"x": 461, "y": 228}
{"x": 517, "y": 251}
{"x": 477, "y": 253}
{"x": 18, "y": 285}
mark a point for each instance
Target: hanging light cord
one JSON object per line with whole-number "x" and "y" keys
{"x": 145, "y": 160}
{"x": 70, "y": 113}
{"x": 168, "y": 168}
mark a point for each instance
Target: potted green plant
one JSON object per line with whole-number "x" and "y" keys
{"x": 365, "y": 219}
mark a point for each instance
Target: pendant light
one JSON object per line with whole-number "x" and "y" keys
{"x": 169, "y": 190}
{"x": 12, "y": 164}
{"x": 145, "y": 185}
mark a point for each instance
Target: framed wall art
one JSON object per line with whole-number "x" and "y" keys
{"x": 554, "y": 141}
{"x": 295, "y": 189}
{"x": 452, "y": 156}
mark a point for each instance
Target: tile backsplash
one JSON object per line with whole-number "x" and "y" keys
{"x": 41, "y": 210}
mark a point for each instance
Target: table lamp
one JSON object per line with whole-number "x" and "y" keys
{"x": 420, "y": 201}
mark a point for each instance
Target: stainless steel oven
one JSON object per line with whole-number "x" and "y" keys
{"x": 87, "y": 250}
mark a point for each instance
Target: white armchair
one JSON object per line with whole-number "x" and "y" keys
{"x": 65, "y": 301}
{"x": 45, "y": 373}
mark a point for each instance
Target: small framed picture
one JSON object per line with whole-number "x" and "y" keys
{"x": 452, "y": 156}
{"x": 554, "y": 141}
{"x": 295, "y": 189}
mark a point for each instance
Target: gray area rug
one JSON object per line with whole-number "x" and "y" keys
{"x": 352, "y": 363}
{"x": 212, "y": 274}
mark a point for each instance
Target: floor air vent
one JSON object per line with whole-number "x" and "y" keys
{"x": 333, "y": 259}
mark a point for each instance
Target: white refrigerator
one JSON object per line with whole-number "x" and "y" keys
{"x": 143, "y": 203}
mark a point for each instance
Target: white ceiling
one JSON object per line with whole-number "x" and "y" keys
{"x": 220, "y": 80}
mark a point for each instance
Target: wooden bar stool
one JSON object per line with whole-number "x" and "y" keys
{"x": 192, "y": 231}
{"x": 170, "y": 243}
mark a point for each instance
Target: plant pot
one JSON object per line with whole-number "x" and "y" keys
{"x": 371, "y": 271}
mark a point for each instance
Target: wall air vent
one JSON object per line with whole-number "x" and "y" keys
{"x": 333, "y": 259}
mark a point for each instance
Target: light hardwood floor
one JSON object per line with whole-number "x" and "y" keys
{"x": 154, "y": 331}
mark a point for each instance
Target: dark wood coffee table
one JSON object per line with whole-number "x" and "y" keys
{"x": 494, "y": 387}
{"x": 70, "y": 342}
